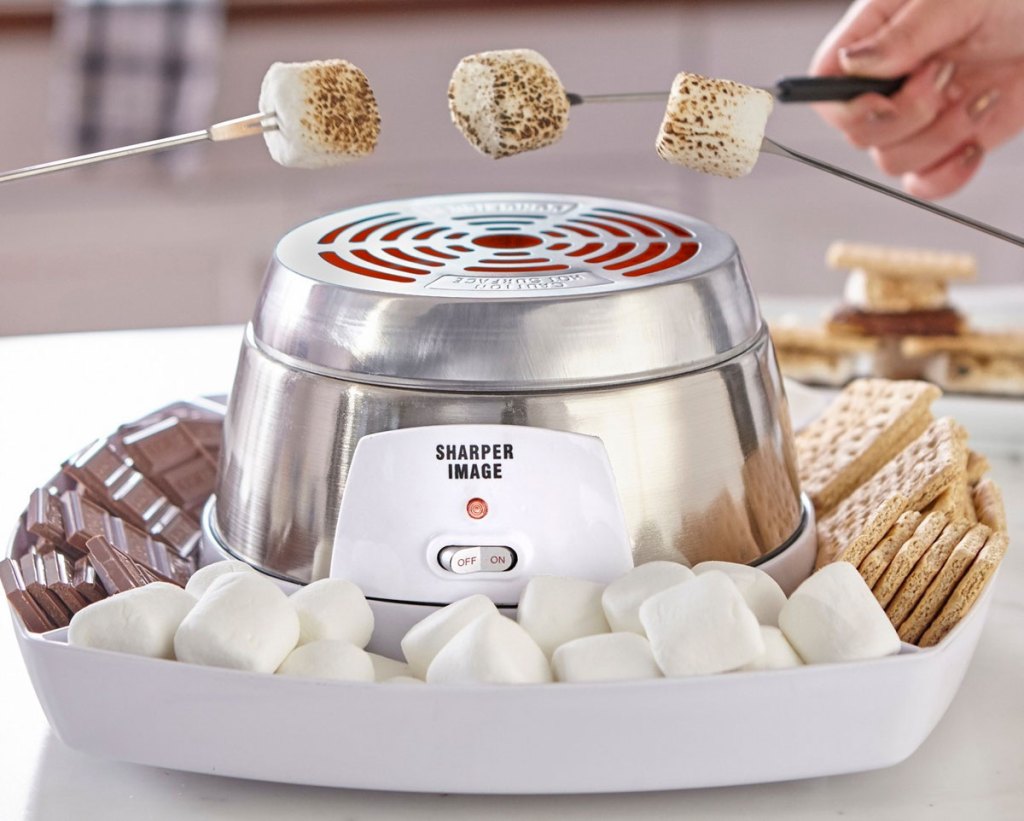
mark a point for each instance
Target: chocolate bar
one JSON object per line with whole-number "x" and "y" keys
{"x": 99, "y": 467}
{"x": 56, "y": 578}
{"x": 207, "y": 432}
{"x": 83, "y": 519}
{"x": 44, "y": 517}
{"x": 175, "y": 461}
{"x": 86, "y": 582}
{"x": 179, "y": 530}
{"x": 31, "y": 615}
{"x": 138, "y": 500}
{"x": 115, "y": 571}
{"x": 49, "y": 602}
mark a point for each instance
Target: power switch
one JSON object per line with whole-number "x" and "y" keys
{"x": 463, "y": 559}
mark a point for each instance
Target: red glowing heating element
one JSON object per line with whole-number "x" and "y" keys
{"x": 476, "y": 508}
{"x": 402, "y": 248}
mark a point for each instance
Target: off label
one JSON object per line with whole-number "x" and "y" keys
{"x": 477, "y": 461}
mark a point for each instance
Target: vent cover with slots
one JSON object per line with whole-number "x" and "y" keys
{"x": 512, "y": 245}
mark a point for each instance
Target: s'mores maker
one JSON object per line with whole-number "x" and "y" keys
{"x": 629, "y": 334}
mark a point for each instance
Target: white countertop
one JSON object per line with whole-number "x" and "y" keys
{"x": 62, "y": 391}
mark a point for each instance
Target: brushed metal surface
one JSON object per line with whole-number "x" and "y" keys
{"x": 467, "y": 321}
{"x": 703, "y": 461}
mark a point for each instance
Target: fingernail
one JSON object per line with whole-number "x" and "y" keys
{"x": 971, "y": 155}
{"x": 859, "y": 55}
{"x": 944, "y": 73}
{"x": 982, "y": 103}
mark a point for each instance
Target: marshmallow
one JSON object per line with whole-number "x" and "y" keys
{"x": 760, "y": 591}
{"x": 834, "y": 616}
{"x": 702, "y": 626}
{"x": 555, "y": 609}
{"x": 507, "y": 102}
{"x": 426, "y": 638}
{"x": 243, "y": 621}
{"x": 200, "y": 581}
{"x": 325, "y": 113}
{"x": 385, "y": 669}
{"x": 714, "y": 126}
{"x": 778, "y": 652}
{"x": 622, "y": 598}
{"x": 141, "y": 621}
{"x": 491, "y": 650}
{"x": 329, "y": 659}
{"x": 333, "y": 609}
{"x": 607, "y": 657}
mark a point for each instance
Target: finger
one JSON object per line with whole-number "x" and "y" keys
{"x": 916, "y": 31}
{"x": 862, "y": 19}
{"x": 956, "y": 126}
{"x": 948, "y": 175}
{"x": 878, "y": 121}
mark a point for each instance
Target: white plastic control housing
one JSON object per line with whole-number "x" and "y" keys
{"x": 551, "y": 500}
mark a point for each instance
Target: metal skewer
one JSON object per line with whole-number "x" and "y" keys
{"x": 227, "y": 130}
{"x": 786, "y": 90}
{"x": 771, "y": 147}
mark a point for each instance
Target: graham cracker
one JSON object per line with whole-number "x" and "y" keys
{"x": 881, "y": 293}
{"x": 987, "y": 501}
{"x": 889, "y": 580}
{"x": 977, "y": 466}
{"x": 934, "y": 598}
{"x": 1005, "y": 344}
{"x": 968, "y": 590}
{"x": 878, "y": 559}
{"x": 818, "y": 339}
{"x": 956, "y": 502}
{"x": 900, "y": 596}
{"x": 917, "y": 475}
{"x": 869, "y": 422}
{"x": 856, "y": 529}
{"x": 910, "y": 263}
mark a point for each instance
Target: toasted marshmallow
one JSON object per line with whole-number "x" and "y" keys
{"x": 325, "y": 113}
{"x": 507, "y": 102}
{"x": 714, "y": 126}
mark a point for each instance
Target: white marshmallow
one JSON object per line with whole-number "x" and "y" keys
{"x": 426, "y": 638}
{"x": 243, "y": 621}
{"x": 140, "y": 621}
{"x": 760, "y": 591}
{"x": 556, "y": 609}
{"x": 622, "y": 598}
{"x": 491, "y": 650}
{"x": 328, "y": 659}
{"x": 507, "y": 102}
{"x": 714, "y": 126}
{"x": 606, "y": 657}
{"x": 200, "y": 581}
{"x": 834, "y": 616}
{"x": 333, "y": 609}
{"x": 325, "y": 113}
{"x": 702, "y": 626}
{"x": 778, "y": 652}
{"x": 385, "y": 669}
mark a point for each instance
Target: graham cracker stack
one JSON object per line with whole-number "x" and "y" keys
{"x": 878, "y": 559}
{"x": 911, "y": 480}
{"x": 816, "y": 355}
{"x": 869, "y": 422}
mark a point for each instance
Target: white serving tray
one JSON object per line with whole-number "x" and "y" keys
{"x": 736, "y": 728}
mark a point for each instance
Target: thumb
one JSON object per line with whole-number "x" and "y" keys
{"x": 913, "y": 34}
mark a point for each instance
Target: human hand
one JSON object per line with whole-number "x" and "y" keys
{"x": 964, "y": 95}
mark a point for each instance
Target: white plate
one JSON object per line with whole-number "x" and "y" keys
{"x": 736, "y": 728}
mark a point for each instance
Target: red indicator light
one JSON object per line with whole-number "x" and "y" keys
{"x": 476, "y": 508}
